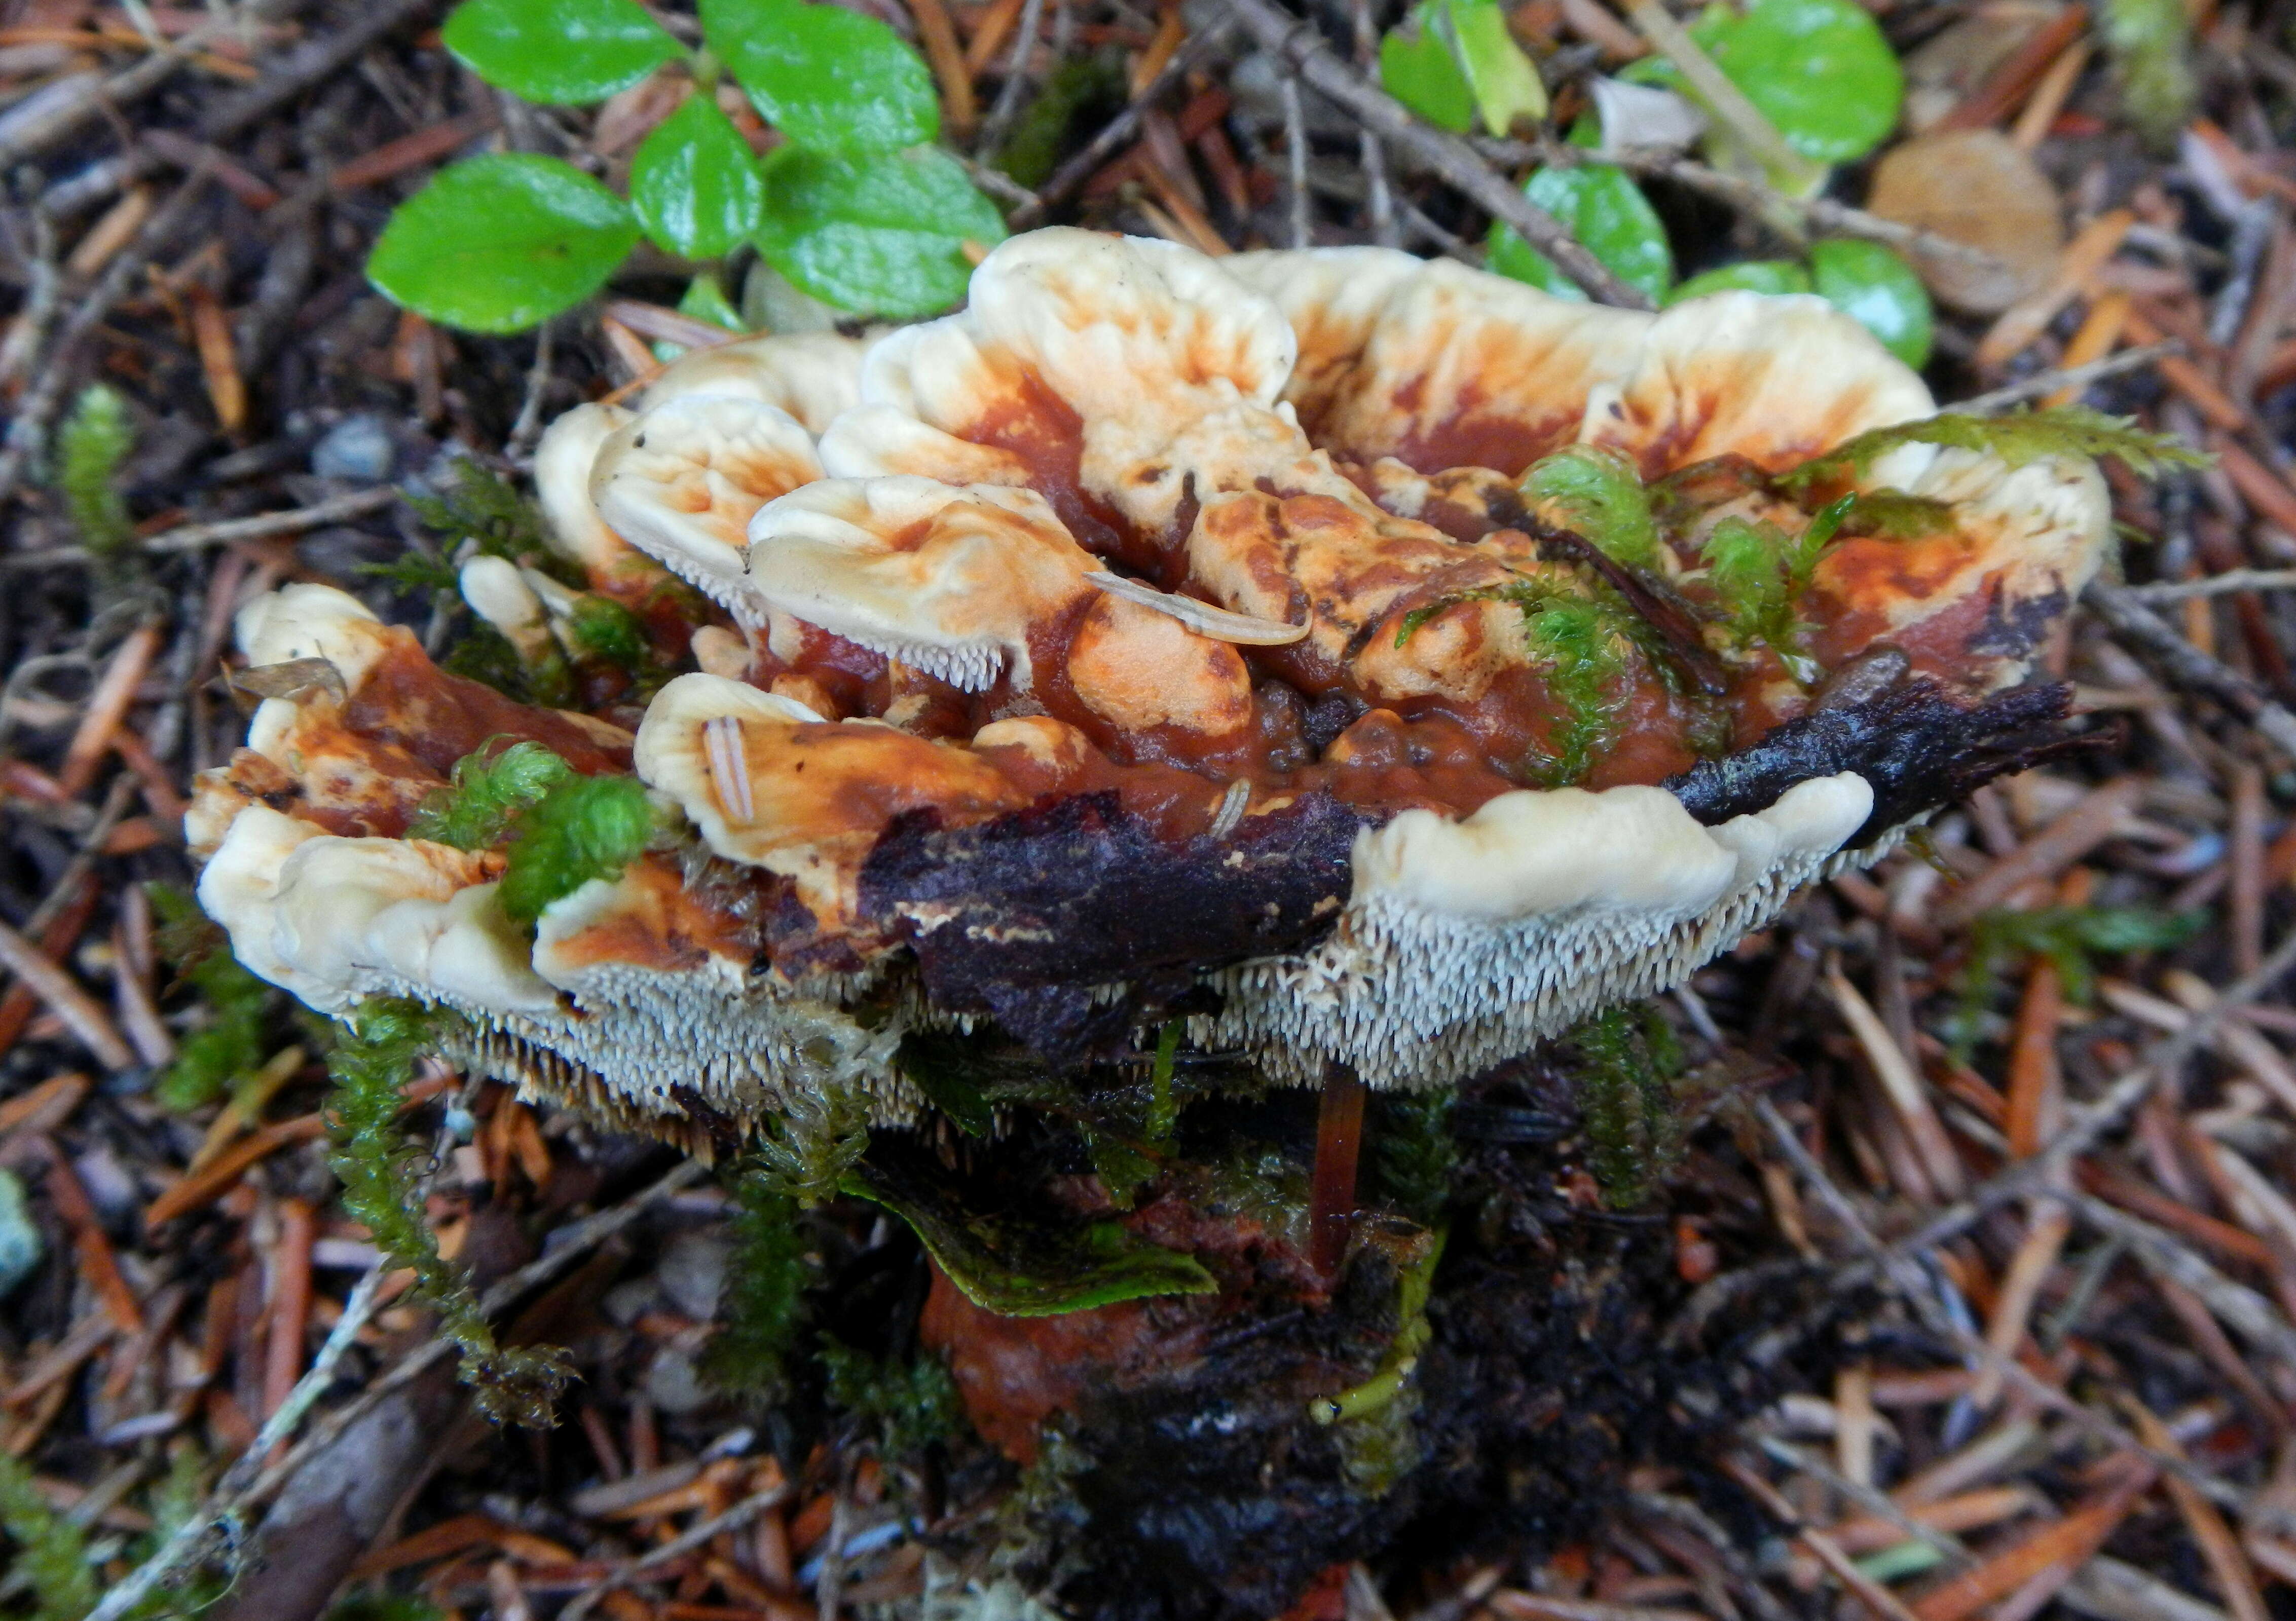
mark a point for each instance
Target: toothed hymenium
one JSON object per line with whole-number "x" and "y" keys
{"x": 1366, "y": 660}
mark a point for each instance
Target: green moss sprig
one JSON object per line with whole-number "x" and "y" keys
{"x": 1580, "y": 640}
{"x": 1600, "y": 494}
{"x": 93, "y": 443}
{"x": 581, "y": 829}
{"x": 908, "y": 1405}
{"x": 2018, "y": 438}
{"x": 1630, "y": 1062}
{"x": 764, "y": 1308}
{"x": 377, "y": 1163}
{"x": 1757, "y": 574}
{"x": 50, "y": 1553}
{"x": 230, "y": 1045}
{"x": 485, "y": 797}
{"x": 2069, "y": 938}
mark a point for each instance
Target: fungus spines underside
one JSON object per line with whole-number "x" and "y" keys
{"x": 1096, "y": 659}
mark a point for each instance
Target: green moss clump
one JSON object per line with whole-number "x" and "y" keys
{"x": 373, "y": 1057}
{"x": 230, "y": 1045}
{"x": 765, "y": 1293}
{"x": 1600, "y": 494}
{"x": 909, "y": 1405}
{"x": 602, "y": 629}
{"x": 485, "y": 798}
{"x": 94, "y": 440}
{"x": 1410, "y": 1156}
{"x": 2151, "y": 48}
{"x": 1629, "y": 1064}
{"x": 1077, "y": 87}
{"x": 582, "y": 828}
{"x": 50, "y": 1553}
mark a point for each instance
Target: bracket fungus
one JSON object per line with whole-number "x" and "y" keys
{"x": 1306, "y": 667}
{"x": 1160, "y": 638}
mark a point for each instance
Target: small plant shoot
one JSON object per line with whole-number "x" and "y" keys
{"x": 856, "y": 206}
{"x": 1452, "y": 61}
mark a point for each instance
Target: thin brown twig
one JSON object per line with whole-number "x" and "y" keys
{"x": 2042, "y": 383}
{"x": 2182, "y": 664}
{"x": 81, "y": 1013}
{"x": 28, "y": 433}
{"x": 645, "y": 1565}
{"x": 341, "y": 509}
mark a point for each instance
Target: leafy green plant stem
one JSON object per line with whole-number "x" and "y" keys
{"x": 377, "y": 1165}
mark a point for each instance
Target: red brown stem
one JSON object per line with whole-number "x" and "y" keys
{"x": 1338, "y": 1147}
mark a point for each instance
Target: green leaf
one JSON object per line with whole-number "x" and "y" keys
{"x": 881, "y": 235}
{"x": 1506, "y": 85}
{"x": 694, "y": 185}
{"x": 1819, "y": 69}
{"x": 1451, "y": 59}
{"x": 499, "y": 244}
{"x": 1610, "y": 218}
{"x": 2017, "y": 438}
{"x": 1417, "y": 67}
{"x": 1018, "y": 1267}
{"x": 1750, "y": 275}
{"x": 560, "y": 53}
{"x": 1599, "y": 494}
{"x": 1879, "y": 291}
{"x": 829, "y": 79}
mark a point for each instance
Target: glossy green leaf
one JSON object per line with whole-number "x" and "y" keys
{"x": 881, "y": 235}
{"x": 696, "y": 185}
{"x": 1871, "y": 284}
{"x": 1751, "y": 275}
{"x": 563, "y": 52}
{"x": 1451, "y": 59}
{"x": 829, "y": 79}
{"x": 1506, "y": 85}
{"x": 1417, "y": 68}
{"x": 1819, "y": 69}
{"x": 1610, "y": 218}
{"x": 495, "y": 245}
